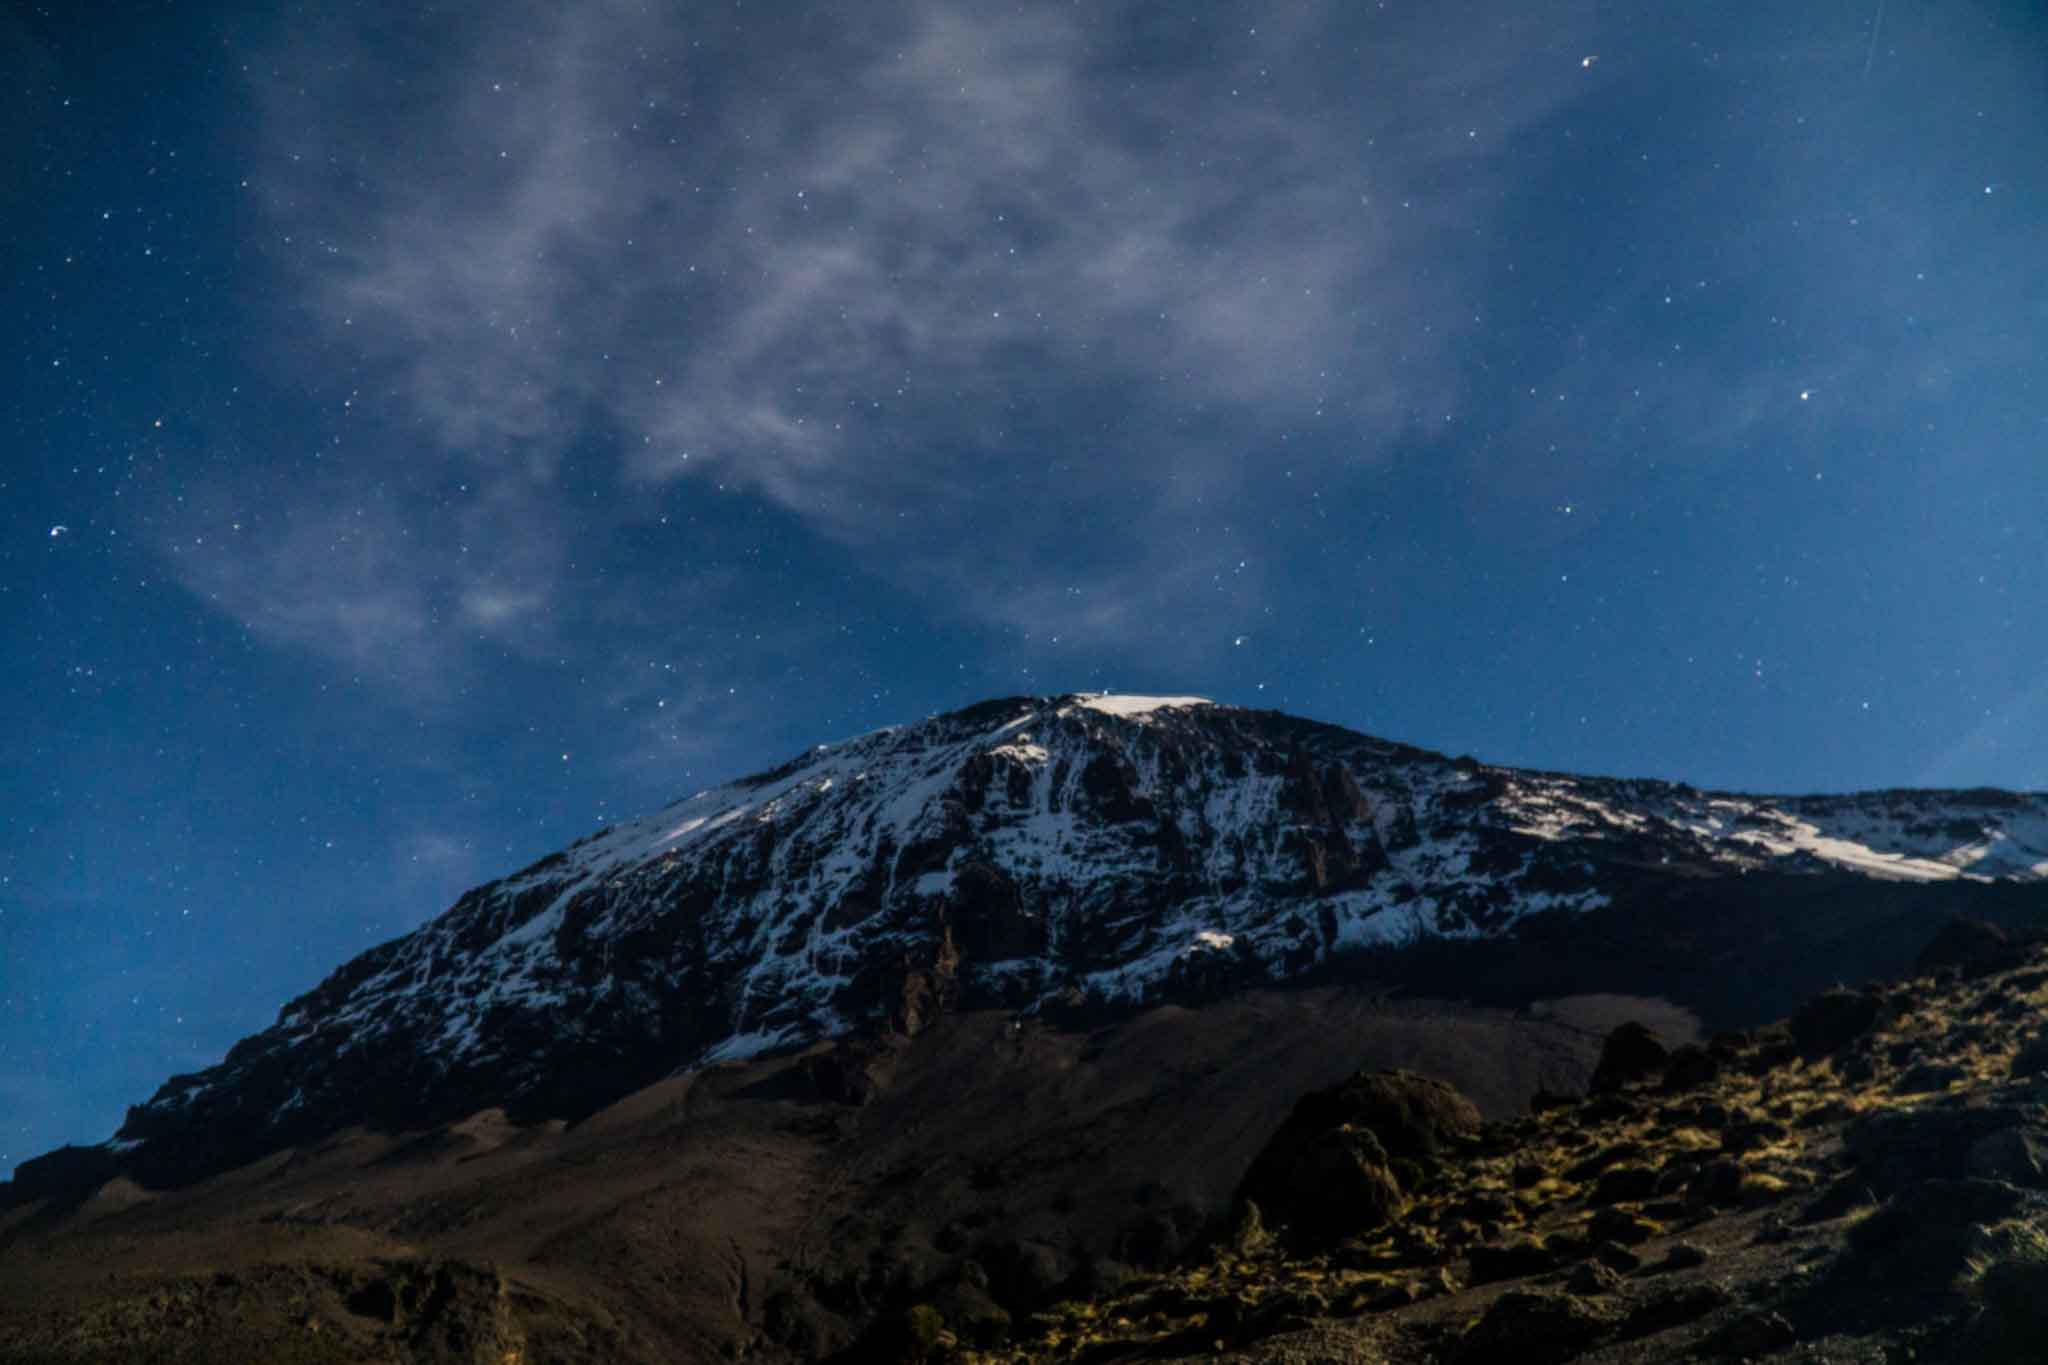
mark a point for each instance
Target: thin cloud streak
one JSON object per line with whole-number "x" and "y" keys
{"x": 945, "y": 283}
{"x": 390, "y": 580}
{"x": 825, "y": 269}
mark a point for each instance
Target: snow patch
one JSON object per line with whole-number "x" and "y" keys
{"x": 1024, "y": 751}
{"x": 741, "y": 1046}
{"x": 1804, "y": 838}
{"x": 1132, "y": 707}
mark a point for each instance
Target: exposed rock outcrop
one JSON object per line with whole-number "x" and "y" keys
{"x": 1334, "y": 1168}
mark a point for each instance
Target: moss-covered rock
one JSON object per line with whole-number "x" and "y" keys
{"x": 1330, "y": 1171}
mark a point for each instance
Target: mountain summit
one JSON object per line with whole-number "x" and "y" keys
{"x": 1084, "y": 853}
{"x": 1044, "y": 1001}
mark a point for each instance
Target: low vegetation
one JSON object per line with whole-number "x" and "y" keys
{"x": 1868, "y": 1180}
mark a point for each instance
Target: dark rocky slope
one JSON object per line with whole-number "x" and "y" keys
{"x": 770, "y": 1208}
{"x": 1865, "y": 1181}
{"x": 1859, "y": 1180}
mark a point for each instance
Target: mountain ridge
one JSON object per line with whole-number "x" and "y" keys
{"x": 1079, "y": 852}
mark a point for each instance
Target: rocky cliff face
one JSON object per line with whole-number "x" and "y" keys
{"x": 1034, "y": 854}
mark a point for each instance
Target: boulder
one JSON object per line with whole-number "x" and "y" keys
{"x": 1895, "y": 1148}
{"x": 1684, "y": 1256}
{"x": 1759, "y": 1332}
{"x": 1415, "y": 1118}
{"x": 1717, "y": 1184}
{"x": 1631, "y": 1053}
{"x": 1830, "y": 1022}
{"x": 1615, "y": 1257}
{"x": 1618, "y": 1225}
{"x": 1924, "y": 1236}
{"x": 2012, "y": 1296}
{"x": 1536, "y": 1329}
{"x": 1624, "y": 1184}
{"x": 1593, "y": 1278}
{"x": 1747, "y": 1135}
{"x": 1614, "y": 1154}
{"x": 1329, "y": 1172}
{"x": 2017, "y": 1156}
{"x": 1925, "y": 1078}
{"x": 1512, "y": 1260}
{"x": 1324, "y": 1186}
{"x": 1972, "y": 947}
{"x": 1021, "y": 1272}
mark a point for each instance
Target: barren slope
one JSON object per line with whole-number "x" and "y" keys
{"x": 740, "y": 1206}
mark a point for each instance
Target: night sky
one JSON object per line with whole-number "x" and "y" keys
{"x": 430, "y": 433}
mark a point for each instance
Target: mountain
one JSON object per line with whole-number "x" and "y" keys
{"x": 992, "y": 1011}
{"x": 1080, "y": 856}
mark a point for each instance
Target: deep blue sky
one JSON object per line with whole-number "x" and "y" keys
{"x": 468, "y": 430}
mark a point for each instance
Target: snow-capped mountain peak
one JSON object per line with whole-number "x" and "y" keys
{"x": 1089, "y": 849}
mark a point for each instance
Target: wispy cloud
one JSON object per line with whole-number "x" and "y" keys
{"x": 392, "y": 572}
{"x": 1021, "y": 305}
{"x": 934, "y": 281}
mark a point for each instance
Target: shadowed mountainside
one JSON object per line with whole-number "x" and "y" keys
{"x": 1861, "y": 1181}
{"x": 775, "y": 1207}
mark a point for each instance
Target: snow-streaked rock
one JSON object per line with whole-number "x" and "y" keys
{"x": 1097, "y": 850}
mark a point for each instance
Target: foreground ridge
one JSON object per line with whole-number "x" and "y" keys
{"x": 1866, "y": 1181}
{"x": 1863, "y": 1181}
